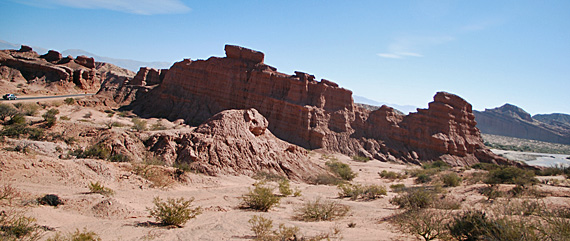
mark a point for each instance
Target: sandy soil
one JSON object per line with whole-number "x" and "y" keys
{"x": 124, "y": 216}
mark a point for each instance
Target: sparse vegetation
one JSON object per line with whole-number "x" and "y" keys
{"x": 99, "y": 151}
{"x": 510, "y": 175}
{"x": 392, "y": 175}
{"x": 69, "y": 101}
{"x": 414, "y": 198}
{"x": 50, "y": 117}
{"x": 356, "y": 191}
{"x": 6, "y": 111}
{"x": 268, "y": 176}
{"x": 285, "y": 187}
{"x": 327, "y": 179}
{"x": 341, "y": 169}
{"x": 173, "y": 212}
{"x": 263, "y": 230}
{"x": 100, "y": 189}
{"x": 76, "y": 236}
{"x": 428, "y": 224}
{"x": 139, "y": 124}
{"x": 451, "y": 180}
{"x": 14, "y": 225}
{"x": 361, "y": 158}
{"x": 260, "y": 198}
{"x": 319, "y": 210}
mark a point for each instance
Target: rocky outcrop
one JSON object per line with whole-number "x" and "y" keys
{"x": 53, "y": 71}
{"x": 148, "y": 76}
{"x": 234, "y": 142}
{"x": 510, "y": 120}
{"x": 314, "y": 114}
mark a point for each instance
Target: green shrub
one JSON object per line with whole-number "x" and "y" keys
{"x": 400, "y": 187}
{"x": 341, "y": 169}
{"x": 119, "y": 158}
{"x": 392, "y": 175}
{"x": 416, "y": 198}
{"x": 260, "y": 198}
{"x": 422, "y": 178}
{"x": 76, "y": 236}
{"x": 99, "y": 151}
{"x": 327, "y": 179}
{"x": 69, "y": 101}
{"x": 439, "y": 164}
{"x": 50, "y": 117}
{"x": 285, "y": 187}
{"x": 17, "y": 130}
{"x": 510, "y": 175}
{"x": 485, "y": 166}
{"x": 268, "y": 176}
{"x": 17, "y": 119}
{"x": 15, "y": 226}
{"x": 29, "y": 109}
{"x": 99, "y": 188}
{"x": 469, "y": 226}
{"x": 173, "y": 212}
{"x": 361, "y": 158}
{"x": 263, "y": 231}
{"x": 451, "y": 180}
{"x": 491, "y": 192}
{"x": 321, "y": 211}
{"x": 261, "y": 227}
{"x": 553, "y": 170}
{"x": 356, "y": 191}
{"x": 6, "y": 111}
{"x": 139, "y": 124}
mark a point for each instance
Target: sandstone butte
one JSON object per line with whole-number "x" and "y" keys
{"x": 302, "y": 111}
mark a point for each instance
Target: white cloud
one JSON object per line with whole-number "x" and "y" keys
{"x": 143, "y": 7}
{"x": 410, "y": 46}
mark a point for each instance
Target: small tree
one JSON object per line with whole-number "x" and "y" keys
{"x": 173, "y": 212}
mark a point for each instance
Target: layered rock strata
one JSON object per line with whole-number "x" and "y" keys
{"x": 314, "y": 114}
{"x": 54, "y": 71}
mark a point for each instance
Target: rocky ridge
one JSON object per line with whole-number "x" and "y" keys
{"x": 55, "y": 72}
{"x": 309, "y": 113}
{"x": 510, "y": 120}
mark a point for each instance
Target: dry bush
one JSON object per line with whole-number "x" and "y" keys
{"x": 76, "y": 236}
{"x": 157, "y": 175}
{"x": 425, "y": 223}
{"x": 173, "y": 212}
{"x": 451, "y": 180}
{"x": 356, "y": 191}
{"x": 100, "y": 189}
{"x": 285, "y": 187}
{"x": 139, "y": 124}
{"x": 392, "y": 175}
{"x": 260, "y": 198}
{"x": 263, "y": 230}
{"x": 319, "y": 210}
{"x": 341, "y": 169}
{"x": 414, "y": 198}
{"x": 327, "y": 179}
{"x": 15, "y": 225}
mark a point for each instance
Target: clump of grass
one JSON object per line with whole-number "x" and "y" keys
{"x": 356, "y": 191}
{"x": 100, "y": 189}
{"x": 327, "y": 179}
{"x": 422, "y": 178}
{"x": 139, "y": 124}
{"x": 439, "y": 164}
{"x": 99, "y": 151}
{"x": 392, "y": 175}
{"x": 416, "y": 198}
{"x": 173, "y": 212}
{"x": 159, "y": 177}
{"x": 400, "y": 187}
{"x": 268, "y": 176}
{"x": 69, "y": 101}
{"x": 157, "y": 126}
{"x": 76, "y": 236}
{"x": 319, "y": 210}
{"x": 451, "y": 180}
{"x": 260, "y": 198}
{"x": 361, "y": 158}
{"x": 341, "y": 169}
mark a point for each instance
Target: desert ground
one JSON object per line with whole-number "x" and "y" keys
{"x": 31, "y": 169}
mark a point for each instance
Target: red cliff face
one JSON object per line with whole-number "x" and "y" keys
{"x": 314, "y": 114}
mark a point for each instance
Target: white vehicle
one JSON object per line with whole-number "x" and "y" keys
{"x": 9, "y": 97}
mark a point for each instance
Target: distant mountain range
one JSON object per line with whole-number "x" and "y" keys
{"x": 406, "y": 109}
{"x": 510, "y": 120}
{"x": 129, "y": 64}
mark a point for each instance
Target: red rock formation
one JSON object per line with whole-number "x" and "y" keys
{"x": 53, "y": 71}
{"x": 314, "y": 114}
{"x": 148, "y": 76}
{"x": 234, "y": 142}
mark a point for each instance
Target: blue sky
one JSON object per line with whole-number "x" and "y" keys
{"x": 402, "y": 52}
